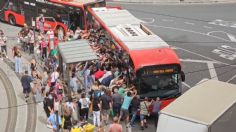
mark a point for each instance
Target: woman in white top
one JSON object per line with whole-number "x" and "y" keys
{"x": 84, "y": 101}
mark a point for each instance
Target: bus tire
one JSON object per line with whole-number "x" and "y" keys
{"x": 11, "y": 20}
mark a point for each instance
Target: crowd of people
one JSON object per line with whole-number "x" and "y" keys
{"x": 101, "y": 89}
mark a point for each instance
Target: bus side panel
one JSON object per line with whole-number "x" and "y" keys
{"x": 20, "y": 19}
{"x": 164, "y": 103}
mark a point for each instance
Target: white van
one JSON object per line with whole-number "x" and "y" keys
{"x": 207, "y": 107}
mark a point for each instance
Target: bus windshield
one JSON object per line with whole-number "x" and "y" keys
{"x": 161, "y": 85}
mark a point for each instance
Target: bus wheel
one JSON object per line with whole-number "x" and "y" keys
{"x": 11, "y": 20}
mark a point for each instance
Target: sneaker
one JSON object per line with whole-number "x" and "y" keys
{"x": 142, "y": 128}
{"x": 146, "y": 126}
{"x": 49, "y": 126}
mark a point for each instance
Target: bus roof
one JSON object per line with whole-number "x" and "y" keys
{"x": 204, "y": 103}
{"x": 126, "y": 28}
{"x": 134, "y": 37}
{"x": 76, "y": 2}
{"x": 151, "y": 57}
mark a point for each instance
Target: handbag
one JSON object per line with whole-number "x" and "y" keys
{"x": 147, "y": 109}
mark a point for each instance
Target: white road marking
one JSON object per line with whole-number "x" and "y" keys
{"x": 167, "y": 20}
{"x": 223, "y": 23}
{"x": 147, "y": 20}
{"x": 179, "y": 29}
{"x": 207, "y": 27}
{"x": 231, "y": 37}
{"x": 189, "y": 23}
{"x": 186, "y": 85}
{"x": 197, "y": 61}
{"x": 212, "y": 71}
{"x": 226, "y": 52}
{"x": 231, "y": 78}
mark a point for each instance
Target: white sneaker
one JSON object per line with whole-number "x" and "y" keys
{"x": 49, "y": 126}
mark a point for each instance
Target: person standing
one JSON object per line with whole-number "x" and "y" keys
{"x": 125, "y": 107}
{"x": 134, "y": 109}
{"x": 31, "y": 41}
{"x": 43, "y": 48}
{"x": 84, "y": 101}
{"x": 96, "y": 111}
{"x": 106, "y": 106}
{"x": 50, "y": 34}
{"x": 156, "y": 109}
{"x": 115, "y": 126}
{"x": 55, "y": 120}
{"x": 41, "y": 21}
{"x": 60, "y": 34}
{"x": 3, "y": 41}
{"x": 18, "y": 61}
{"x": 116, "y": 102}
{"x": 54, "y": 76}
{"x": 25, "y": 82}
{"x": 144, "y": 112}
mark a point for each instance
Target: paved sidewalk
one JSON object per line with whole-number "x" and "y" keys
{"x": 41, "y": 116}
{"x": 22, "y": 109}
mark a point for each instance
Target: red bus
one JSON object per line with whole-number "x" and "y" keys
{"x": 58, "y": 13}
{"x": 157, "y": 67}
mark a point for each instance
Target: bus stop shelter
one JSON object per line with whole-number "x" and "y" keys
{"x": 72, "y": 52}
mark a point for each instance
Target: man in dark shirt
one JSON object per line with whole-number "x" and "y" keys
{"x": 134, "y": 109}
{"x": 25, "y": 82}
{"x": 106, "y": 106}
{"x": 117, "y": 100}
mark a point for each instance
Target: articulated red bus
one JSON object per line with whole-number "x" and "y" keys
{"x": 58, "y": 13}
{"x": 157, "y": 67}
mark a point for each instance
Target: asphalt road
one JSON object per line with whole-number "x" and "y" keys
{"x": 204, "y": 37}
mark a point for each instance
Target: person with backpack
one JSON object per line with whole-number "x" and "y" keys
{"x": 84, "y": 101}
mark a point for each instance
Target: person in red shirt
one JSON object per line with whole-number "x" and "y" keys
{"x": 99, "y": 73}
{"x": 115, "y": 126}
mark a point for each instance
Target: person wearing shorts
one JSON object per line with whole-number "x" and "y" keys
{"x": 125, "y": 107}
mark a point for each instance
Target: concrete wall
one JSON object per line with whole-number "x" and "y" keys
{"x": 173, "y": 1}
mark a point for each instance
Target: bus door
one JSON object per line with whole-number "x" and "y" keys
{"x": 3, "y": 7}
{"x": 75, "y": 19}
{"x": 30, "y": 12}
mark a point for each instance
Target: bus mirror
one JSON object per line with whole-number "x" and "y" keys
{"x": 182, "y": 76}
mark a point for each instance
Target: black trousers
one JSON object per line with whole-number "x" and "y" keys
{"x": 156, "y": 117}
{"x": 44, "y": 53}
{"x": 84, "y": 113}
{"x": 4, "y": 49}
{"x": 31, "y": 48}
